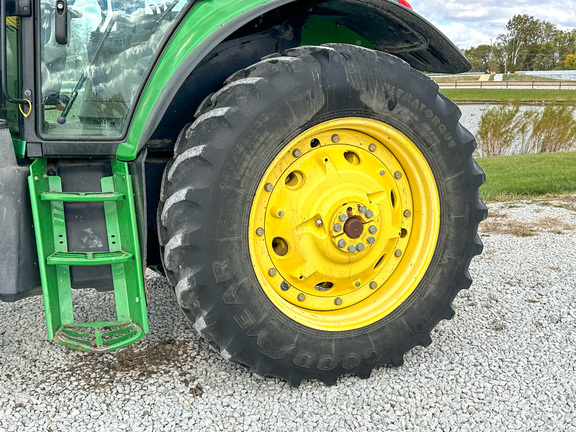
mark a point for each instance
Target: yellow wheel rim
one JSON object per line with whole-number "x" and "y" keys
{"x": 344, "y": 224}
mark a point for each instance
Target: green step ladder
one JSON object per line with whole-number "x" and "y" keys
{"x": 55, "y": 260}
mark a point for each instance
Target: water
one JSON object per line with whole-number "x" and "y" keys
{"x": 569, "y": 75}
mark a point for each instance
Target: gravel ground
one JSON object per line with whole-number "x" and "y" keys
{"x": 505, "y": 362}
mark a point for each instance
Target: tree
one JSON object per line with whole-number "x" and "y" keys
{"x": 570, "y": 62}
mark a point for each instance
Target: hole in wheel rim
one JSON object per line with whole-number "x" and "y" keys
{"x": 352, "y": 157}
{"x": 315, "y": 142}
{"x": 294, "y": 180}
{"x": 280, "y": 246}
{"x": 324, "y": 286}
{"x": 379, "y": 261}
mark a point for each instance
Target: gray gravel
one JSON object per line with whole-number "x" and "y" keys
{"x": 505, "y": 362}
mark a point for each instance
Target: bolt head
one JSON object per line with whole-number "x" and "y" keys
{"x": 319, "y": 222}
{"x": 351, "y": 249}
{"x": 337, "y": 301}
{"x": 397, "y": 253}
{"x": 382, "y": 172}
{"x": 372, "y": 147}
{"x": 337, "y": 227}
{"x": 341, "y": 243}
{"x": 397, "y": 175}
{"x": 301, "y": 297}
{"x": 342, "y": 218}
{"x": 357, "y": 283}
{"x": 268, "y": 187}
{"x": 260, "y": 231}
{"x": 372, "y": 229}
{"x": 373, "y": 285}
{"x": 272, "y": 272}
{"x": 360, "y": 247}
{"x": 280, "y": 213}
{"x": 407, "y": 213}
{"x": 335, "y": 138}
{"x": 371, "y": 240}
{"x": 297, "y": 153}
{"x": 284, "y": 286}
{"x": 362, "y": 209}
{"x": 369, "y": 214}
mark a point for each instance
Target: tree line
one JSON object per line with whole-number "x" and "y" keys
{"x": 528, "y": 44}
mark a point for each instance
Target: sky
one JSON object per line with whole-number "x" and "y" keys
{"x": 471, "y": 23}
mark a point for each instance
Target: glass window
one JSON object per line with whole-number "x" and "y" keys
{"x": 89, "y": 84}
{"x": 10, "y": 111}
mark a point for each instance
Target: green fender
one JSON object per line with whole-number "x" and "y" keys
{"x": 389, "y": 26}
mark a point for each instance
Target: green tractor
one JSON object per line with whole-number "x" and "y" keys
{"x": 306, "y": 190}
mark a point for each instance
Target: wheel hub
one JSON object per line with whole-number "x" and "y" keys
{"x": 333, "y": 228}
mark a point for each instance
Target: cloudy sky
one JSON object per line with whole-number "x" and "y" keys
{"x": 470, "y": 23}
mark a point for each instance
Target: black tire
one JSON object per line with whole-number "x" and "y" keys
{"x": 219, "y": 161}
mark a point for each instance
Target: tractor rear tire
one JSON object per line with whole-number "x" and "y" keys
{"x": 320, "y": 213}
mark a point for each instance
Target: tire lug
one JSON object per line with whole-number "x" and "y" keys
{"x": 337, "y": 301}
{"x": 397, "y": 175}
{"x": 373, "y": 285}
{"x": 260, "y": 232}
{"x": 335, "y": 138}
{"x": 351, "y": 249}
{"x": 371, "y": 240}
{"x": 407, "y": 213}
{"x": 284, "y": 286}
{"x": 362, "y": 209}
{"x": 372, "y": 229}
{"x": 397, "y": 253}
{"x": 341, "y": 243}
{"x": 337, "y": 227}
{"x": 268, "y": 187}
{"x": 372, "y": 147}
{"x": 297, "y": 153}
{"x": 360, "y": 247}
{"x": 272, "y": 272}
{"x": 342, "y": 218}
{"x": 319, "y": 222}
{"x": 369, "y": 214}
{"x": 301, "y": 297}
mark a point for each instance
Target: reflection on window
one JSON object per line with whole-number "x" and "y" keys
{"x": 89, "y": 84}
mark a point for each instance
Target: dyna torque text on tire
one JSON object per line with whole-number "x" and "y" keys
{"x": 320, "y": 213}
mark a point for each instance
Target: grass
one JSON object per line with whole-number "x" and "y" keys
{"x": 528, "y": 176}
{"x": 510, "y": 95}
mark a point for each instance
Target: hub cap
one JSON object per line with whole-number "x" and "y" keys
{"x": 344, "y": 224}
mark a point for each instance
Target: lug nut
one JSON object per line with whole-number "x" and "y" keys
{"x": 371, "y": 240}
{"x": 280, "y": 213}
{"x": 397, "y": 253}
{"x": 268, "y": 187}
{"x": 297, "y": 153}
{"x": 284, "y": 286}
{"x": 341, "y": 243}
{"x": 272, "y": 272}
{"x": 407, "y": 213}
{"x": 397, "y": 175}
{"x": 301, "y": 297}
{"x": 360, "y": 247}
{"x": 372, "y": 229}
{"x": 335, "y": 138}
{"x": 382, "y": 172}
{"x": 369, "y": 214}
{"x": 357, "y": 283}
{"x": 337, "y": 301}
{"x": 373, "y": 285}
{"x": 319, "y": 222}
{"x": 342, "y": 218}
{"x": 372, "y": 147}
{"x": 351, "y": 249}
{"x": 337, "y": 227}
{"x": 362, "y": 209}
{"x": 260, "y": 231}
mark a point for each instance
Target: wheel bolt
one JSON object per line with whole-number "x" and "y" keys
{"x": 372, "y": 147}
{"x": 373, "y": 285}
{"x": 297, "y": 153}
{"x": 341, "y": 243}
{"x": 272, "y": 272}
{"x": 337, "y": 227}
{"x": 268, "y": 187}
{"x": 342, "y": 218}
{"x": 371, "y": 240}
{"x": 397, "y": 253}
{"x": 335, "y": 138}
{"x": 407, "y": 213}
{"x": 280, "y": 213}
{"x": 357, "y": 283}
{"x": 360, "y": 247}
{"x": 301, "y": 297}
{"x": 369, "y": 214}
{"x": 319, "y": 222}
{"x": 382, "y": 172}
{"x": 337, "y": 301}
{"x": 260, "y": 231}
{"x": 284, "y": 286}
{"x": 397, "y": 175}
{"x": 372, "y": 229}
{"x": 351, "y": 249}
{"x": 362, "y": 209}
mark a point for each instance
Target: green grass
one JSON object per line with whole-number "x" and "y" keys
{"x": 528, "y": 176}
{"x": 510, "y": 95}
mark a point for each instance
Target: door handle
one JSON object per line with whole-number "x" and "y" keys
{"x": 61, "y": 22}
